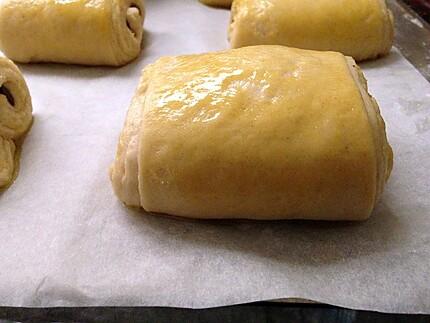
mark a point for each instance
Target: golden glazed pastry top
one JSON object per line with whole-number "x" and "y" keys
{"x": 264, "y": 132}
{"x": 362, "y": 29}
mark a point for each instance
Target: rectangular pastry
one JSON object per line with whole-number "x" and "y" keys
{"x": 15, "y": 118}
{"x": 362, "y": 29}
{"x": 265, "y": 132}
{"x": 102, "y": 32}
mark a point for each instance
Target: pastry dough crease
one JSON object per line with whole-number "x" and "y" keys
{"x": 88, "y": 32}
{"x": 264, "y": 132}
{"x": 15, "y": 118}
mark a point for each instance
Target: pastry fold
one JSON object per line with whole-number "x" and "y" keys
{"x": 217, "y": 3}
{"x": 88, "y": 32}
{"x": 264, "y": 132}
{"x": 15, "y": 118}
{"x": 362, "y": 29}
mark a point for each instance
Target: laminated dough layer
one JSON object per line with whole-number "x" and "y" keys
{"x": 362, "y": 29}
{"x": 264, "y": 132}
{"x": 89, "y": 32}
{"x": 15, "y": 118}
{"x": 218, "y": 3}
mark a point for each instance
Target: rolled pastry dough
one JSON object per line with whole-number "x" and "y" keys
{"x": 264, "y": 132}
{"x": 15, "y": 118}
{"x": 89, "y": 32}
{"x": 362, "y": 29}
{"x": 217, "y": 3}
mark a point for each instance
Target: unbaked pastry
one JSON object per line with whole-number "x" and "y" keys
{"x": 101, "y": 32}
{"x": 15, "y": 118}
{"x": 362, "y": 29}
{"x": 264, "y": 132}
{"x": 217, "y": 3}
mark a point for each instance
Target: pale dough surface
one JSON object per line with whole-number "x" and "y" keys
{"x": 217, "y": 3}
{"x": 265, "y": 132}
{"x": 15, "y": 118}
{"x": 90, "y": 32}
{"x": 362, "y": 29}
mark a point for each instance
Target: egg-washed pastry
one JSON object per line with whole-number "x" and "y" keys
{"x": 15, "y": 118}
{"x": 362, "y": 29}
{"x": 88, "y": 32}
{"x": 264, "y": 132}
{"x": 217, "y": 3}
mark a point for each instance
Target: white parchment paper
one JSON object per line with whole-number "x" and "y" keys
{"x": 65, "y": 239}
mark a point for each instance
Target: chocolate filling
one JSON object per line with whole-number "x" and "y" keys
{"x": 5, "y": 91}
